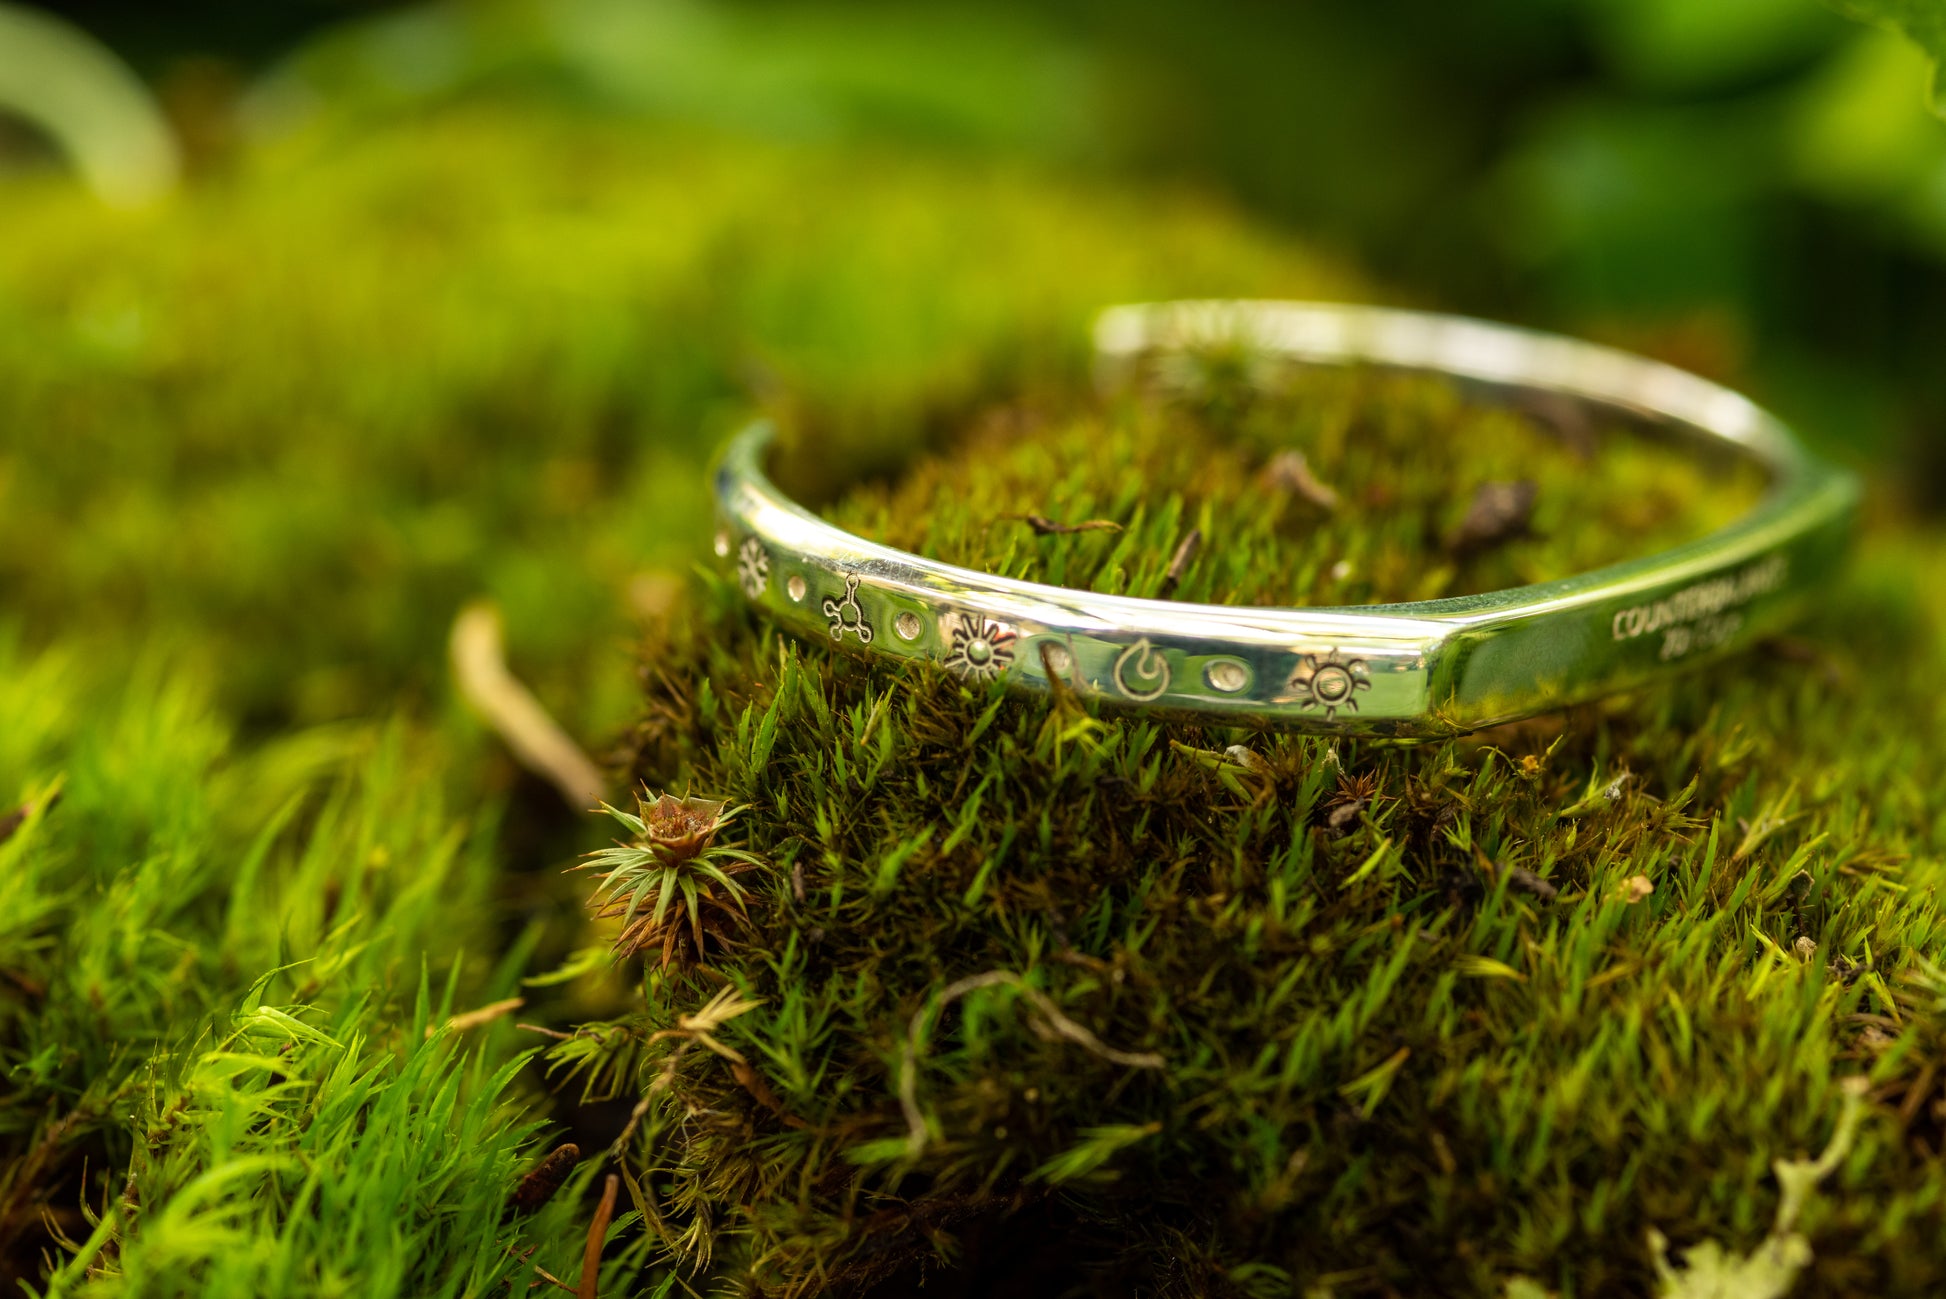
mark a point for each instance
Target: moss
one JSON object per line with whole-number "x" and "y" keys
{"x": 257, "y": 448}
{"x": 1088, "y": 998}
{"x": 1404, "y": 462}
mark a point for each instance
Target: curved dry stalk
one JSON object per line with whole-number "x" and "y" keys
{"x": 478, "y": 651}
{"x": 1059, "y": 1024}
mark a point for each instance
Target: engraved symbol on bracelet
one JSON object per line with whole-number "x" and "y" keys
{"x": 979, "y": 649}
{"x": 1141, "y": 672}
{"x": 846, "y": 616}
{"x": 1329, "y": 682}
{"x": 753, "y": 567}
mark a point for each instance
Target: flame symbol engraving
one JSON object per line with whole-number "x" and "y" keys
{"x": 1141, "y": 672}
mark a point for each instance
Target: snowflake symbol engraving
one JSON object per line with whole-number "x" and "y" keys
{"x": 753, "y": 568}
{"x": 980, "y": 650}
{"x": 1329, "y": 682}
{"x": 846, "y": 616}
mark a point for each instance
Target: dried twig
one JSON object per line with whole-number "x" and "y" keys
{"x": 546, "y": 1277}
{"x": 1499, "y": 513}
{"x": 1289, "y": 471}
{"x": 619, "y": 1145}
{"x": 719, "y": 1010}
{"x": 693, "y": 1030}
{"x": 1179, "y": 564}
{"x": 1521, "y": 878}
{"x": 484, "y": 1015}
{"x": 478, "y": 651}
{"x": 1045, "y": 527}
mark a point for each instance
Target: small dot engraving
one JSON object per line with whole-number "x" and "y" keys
{"x": 796, "y": 587}
{"x": 907, "y": 625}
{"x": 1227, "y": 675}
{"x": 722, "y": 545}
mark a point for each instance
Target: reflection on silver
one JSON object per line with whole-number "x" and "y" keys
{"x": 1432, "y": 668}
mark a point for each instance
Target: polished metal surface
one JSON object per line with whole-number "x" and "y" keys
{"x": 1437, "y": 667}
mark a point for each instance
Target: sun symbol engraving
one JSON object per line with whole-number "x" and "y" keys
{"x": 1329, "y": 682}
{"x": 846, "y": 616}
{"x": 753, "y": 568}
{"x": 1141, "y": 672}
{"x": 978, "y": 648}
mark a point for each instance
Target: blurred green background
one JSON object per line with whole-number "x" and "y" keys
{"x": 1753, "y": 187}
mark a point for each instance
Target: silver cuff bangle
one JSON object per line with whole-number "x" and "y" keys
{"x": 1436, "y": 667}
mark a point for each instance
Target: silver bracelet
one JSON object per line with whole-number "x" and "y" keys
{"x": 1436, "y": 667}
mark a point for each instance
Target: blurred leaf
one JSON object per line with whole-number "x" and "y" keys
{"x": 1681, "y": 45}
{"x": 1635, "y": 208}
{"x": 1921, "y": 21}
{"x": 943, "y": 74}
{"x": 1861, "y": 134}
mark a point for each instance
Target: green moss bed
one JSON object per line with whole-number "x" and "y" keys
{"x": 1009, "y": 997}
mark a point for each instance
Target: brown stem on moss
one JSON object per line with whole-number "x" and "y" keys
{"x": 597, "y": 1235}
{"x": 1179, "y": 563}
{"x": 1046, "y": 527}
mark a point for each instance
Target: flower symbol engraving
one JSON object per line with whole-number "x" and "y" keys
{"x": 978, "y": 649}
{"x": 846, "y": 616}
{"x": 1142, "y": 673}
{"x": 753, "y": 568}
{"x": 1329, "y": 682}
